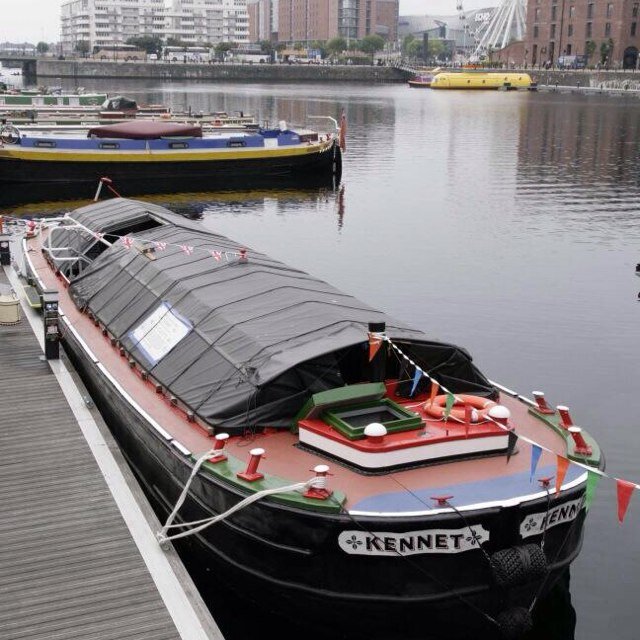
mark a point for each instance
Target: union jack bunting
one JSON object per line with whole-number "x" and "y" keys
{"x": 217, "y": 255}
{"x": 160, "y": 245}
{"x": 187, "y": 249}
{"x": 127, "y": 242}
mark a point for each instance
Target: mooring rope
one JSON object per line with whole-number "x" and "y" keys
{"x": 199, "y": 525}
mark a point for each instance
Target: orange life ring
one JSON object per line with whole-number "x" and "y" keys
{"x": 217, "y": 123}
{"x": 481, "y": 406}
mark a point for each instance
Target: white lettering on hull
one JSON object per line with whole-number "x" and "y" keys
{"x": 535, "y": 523}
{"x": 382, "y": 543}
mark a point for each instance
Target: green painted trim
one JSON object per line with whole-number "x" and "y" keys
{"x": 553, "y": 421}
{"x": 227, "y": 470}
{"x": 409, "y": 422}
{"x": 339, "y": 397}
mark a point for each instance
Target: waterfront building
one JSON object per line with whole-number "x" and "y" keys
{"x": 212, "y": 21}
{"x": 263, "y": 20}
{"x": 110, "y": 22}
{"x": 462, "y": 31}
{"x": 600, "y": 33}
{"x": 320, "y": 20}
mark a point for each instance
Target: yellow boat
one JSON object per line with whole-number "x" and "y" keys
{"x": 481, "y": 80}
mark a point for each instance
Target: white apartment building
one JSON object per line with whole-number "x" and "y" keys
{"x": 108, "y": 22}
{"x": 208, "y": 21}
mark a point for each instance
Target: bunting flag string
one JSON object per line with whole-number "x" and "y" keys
{"x": 536, "y": 452}
{"x": 624, "y": 491}
{"x": 189, "y": 250}
{"x": 592, "y": 483}
{"x": 375, "y": 341}
{"x": 625, "y": 488}
{"x": 416, "y": 378}
{"x": 512, "y": 440}
{"x": 562, "y": 466}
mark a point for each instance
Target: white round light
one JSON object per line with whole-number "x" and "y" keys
{"x": 375, "y": 430}
{"x": 499, "y": 412}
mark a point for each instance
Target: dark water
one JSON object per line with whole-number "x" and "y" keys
{"x": 504, "y": 222}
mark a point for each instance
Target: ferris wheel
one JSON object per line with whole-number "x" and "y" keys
{"x": 507, "y": 22}
{"x": 472, "y": 33}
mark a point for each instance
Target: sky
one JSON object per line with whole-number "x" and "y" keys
{"x": 35, "y": 20}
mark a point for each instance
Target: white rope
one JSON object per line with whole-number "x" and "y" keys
{"x": 199, "y": 525}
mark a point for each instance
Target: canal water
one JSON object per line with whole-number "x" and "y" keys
{"x": 507, "y": 223}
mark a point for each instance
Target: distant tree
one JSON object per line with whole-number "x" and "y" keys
{"x": 174, "y": 42}
{"x": 371, "y": 44}
{"x": 42, "y": 48}
{"x": 321, "y": 46}
{"x": 222, "y": 47}
{"x": 83, "y": 47}
{"x": 407, "y": 44}
{"x": 266, "y": 46}
{"x": 150, "y": 44}
{"x": 590, "y": 48}
{"x": 336, "y": 45}
{"x": 606, "y": 49}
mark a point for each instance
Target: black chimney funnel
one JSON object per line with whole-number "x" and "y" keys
{"x": 378, "y": 364}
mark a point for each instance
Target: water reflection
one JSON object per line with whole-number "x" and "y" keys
{"x": 583, "y": 157}
{"x": 194, "y": 204}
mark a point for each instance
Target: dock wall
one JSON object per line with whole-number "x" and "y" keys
{"x": 47, "y": 68}
{"x": 163, "y": 71}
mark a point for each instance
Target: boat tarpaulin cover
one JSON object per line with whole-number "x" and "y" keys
{"x": 145, "y": 130}
{"x": 242, "y": 343}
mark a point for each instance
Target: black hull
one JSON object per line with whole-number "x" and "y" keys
{"x": 29, "y": 181}
{"x": 288, "y": 560}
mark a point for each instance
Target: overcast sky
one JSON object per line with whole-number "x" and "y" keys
{"x": 34, "y": 20}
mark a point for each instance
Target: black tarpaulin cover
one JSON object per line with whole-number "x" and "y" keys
{"x": 242, "y": 343}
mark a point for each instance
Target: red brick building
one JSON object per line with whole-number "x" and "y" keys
{"x": 309, "y": 20}
{"x": 606, "y": 31}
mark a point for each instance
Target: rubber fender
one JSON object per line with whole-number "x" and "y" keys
{"x": 518, "y": 565}
{"x": 514, "y": 623}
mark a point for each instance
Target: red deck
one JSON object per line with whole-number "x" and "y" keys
{"x": 295, "y": 464}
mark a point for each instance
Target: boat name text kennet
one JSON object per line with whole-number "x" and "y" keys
{"x": 384, "y": 543}
{"x": 535, "y": 523}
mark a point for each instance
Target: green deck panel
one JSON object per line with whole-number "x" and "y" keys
{"x": 340, "y": 397}
{"x": 228, "y": 469}
{"x": 553, "y": 421}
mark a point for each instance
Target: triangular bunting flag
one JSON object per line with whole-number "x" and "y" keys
{"x": 434, "y": 392}
{"x": 127, "y": 242}
{"x": 161, "y": 246}
{"x": 416, "y": 378}
{"x": 374, "y": 344}
{"x": 536, "y": 452}
{"x": 468, "y": 416}
{"x": 625, "y": 489}
{"x": 217, "y": 255}
{"x": 590, "y": 491}
{"x": 448, "y": 405}
{"x": 511, "y": 444}
{"x": 562, "y": 466}
{"x": 187, "y": 249}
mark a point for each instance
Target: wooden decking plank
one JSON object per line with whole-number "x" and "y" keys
{"x": 70, "y": 566}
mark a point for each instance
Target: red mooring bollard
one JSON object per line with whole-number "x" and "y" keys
{"x": 251, "y": 474}
{"x": 218, "y": 455}
{"x": 565, "y": 417}
{"x": 318, "y": 490}
{"x": 581, "y": 448}
{"x": 541, "y": 403}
